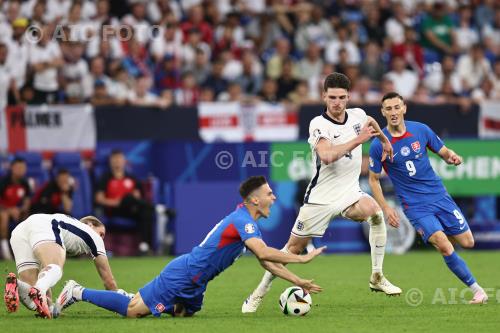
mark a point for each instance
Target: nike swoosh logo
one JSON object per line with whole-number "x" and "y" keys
{"x": 461, "y": 228}
{"x": 395, "y": 154}
{"x": 336, "y": 136}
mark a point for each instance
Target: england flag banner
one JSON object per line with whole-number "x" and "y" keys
{"x": 47, "y": 128}
{"x": 489, "y": 119}
{"x": 238, "y": 122}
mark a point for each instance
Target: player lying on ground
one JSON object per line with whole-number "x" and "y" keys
{"x": 42, "y": 241}
{"x": 180, "y": 287}
{"x": 335, "y": 138}
{"x": 426, "y": 203}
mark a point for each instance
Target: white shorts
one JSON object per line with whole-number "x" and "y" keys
{"x": 313, "y": 219}
{"x": 25, "y": 237}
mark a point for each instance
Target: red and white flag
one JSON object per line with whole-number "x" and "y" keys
{"x": 489, "y": 120}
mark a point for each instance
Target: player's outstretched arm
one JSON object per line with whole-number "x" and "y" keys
{"x": 264, "y": 252}
{"x": 282, "y": 272}
{"x": 387, "y": 150}
{"x": 102, "y": 265}
{"x": 449, "y": 156}
{"x": 329, "y": 153}
{"x": 390, "y": 213}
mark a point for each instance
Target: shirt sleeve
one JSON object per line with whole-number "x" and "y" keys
{"x": 433, "y": 141}
{"x": 317, "y": 130}
{"x": 247, "y": 229}
{"x": 375, "y": 156}
{"x": 99, "y": 246}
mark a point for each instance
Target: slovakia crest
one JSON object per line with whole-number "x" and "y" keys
{"x": 416, "y": 146}
{"x": 160, "y": 307}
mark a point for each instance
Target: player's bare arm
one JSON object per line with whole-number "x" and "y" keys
{"x": 449, "y": 156}
{"x": 387, "y": 150}
{"x": 264, "y": 252}
{"x": 390, "y": 213}
{"x": 329, "y": 153}
{"x": 282, "y": 272}
{"x": 102, "y": 265}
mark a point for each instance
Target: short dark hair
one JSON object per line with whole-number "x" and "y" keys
{"x": 337, "y": 80}
{"x": 251, "y": 184}
{"x": 17, "y": 159}
{"x": 392, "y": 94}
{"x": 116, "y": 152}
{"x": 63, "y": 171}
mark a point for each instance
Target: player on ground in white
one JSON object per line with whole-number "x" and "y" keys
{"x": 335, "y": 138}
{"x": 40, "y": 244}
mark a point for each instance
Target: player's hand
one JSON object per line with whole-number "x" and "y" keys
{"x": 367, "y": 132}
{"x": 309, "y": 286}
{"x": 454, "y": 159}
{"x": 313, "y": 254}
{"x": 392, "y": 216}
{"x": 387, "y": 151}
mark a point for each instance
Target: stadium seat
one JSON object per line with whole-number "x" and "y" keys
{"x": 82, "y": 197}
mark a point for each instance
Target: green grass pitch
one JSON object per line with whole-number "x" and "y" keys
{"x": 346, "y": 305}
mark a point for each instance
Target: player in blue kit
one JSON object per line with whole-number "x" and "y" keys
{"x": 180, "y": 287}
{"x": 426, "y": 203}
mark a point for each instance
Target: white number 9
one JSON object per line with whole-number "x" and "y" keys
{"x": 411, "y": 168}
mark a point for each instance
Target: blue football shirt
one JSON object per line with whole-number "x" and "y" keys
{"x": 222, "y": 246}
{"x": 411, "y": 173}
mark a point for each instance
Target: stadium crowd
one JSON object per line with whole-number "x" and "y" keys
{"x": 171, "y": 52}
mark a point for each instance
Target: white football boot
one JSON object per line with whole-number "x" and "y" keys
{"x": 379, "y": 283}
{"x": 252, "y": 303}
{"x": 66, "y": 297}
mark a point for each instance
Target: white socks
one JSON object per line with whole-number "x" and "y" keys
{"x": 377, "y": 239}
{"x": 48, "y": 277}
{"x": 475, "y": 287}
{"x": 265, "y": 284}
{"x": 24, "y": 289}
{"x": 4, "y": 247}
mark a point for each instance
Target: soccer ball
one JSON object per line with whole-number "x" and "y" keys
{"x": 295, "y": 301}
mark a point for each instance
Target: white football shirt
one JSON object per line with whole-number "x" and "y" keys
{"x": 331, "y": 182}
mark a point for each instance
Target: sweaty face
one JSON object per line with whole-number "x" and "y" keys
{"x": 264, "y": 198}
{"x": 393, "y": 110}
{"x": 336, "y": 100}
{"x": 101, "y": 231}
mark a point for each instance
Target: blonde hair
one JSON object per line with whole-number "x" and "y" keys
{"x": 92, "y": 220}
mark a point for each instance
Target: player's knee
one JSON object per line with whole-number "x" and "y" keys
{"x": 468, "y": 243}
{"x": 442, "y": 244}
{"x": 376, "y": 218}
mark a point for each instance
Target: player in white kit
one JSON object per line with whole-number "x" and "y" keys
{"x": 40, "y": 244}
{"x": 335, "y": 138}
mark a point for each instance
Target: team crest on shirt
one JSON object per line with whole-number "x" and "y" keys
{"x": 249, "y": 228}
{"x": 357, "y": 128}
{"x": 160, "y": 307}
{"x": 316, "y": 132}
{"x": 405, "y": 151}
{"x": 416, "y": 146}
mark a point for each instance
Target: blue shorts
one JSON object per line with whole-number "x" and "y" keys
{"x": 441, "y": 215}
{"x": 171, "y": 287}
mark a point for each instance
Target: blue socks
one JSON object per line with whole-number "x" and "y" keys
{"x": 459, "y": 268}
{"x": 109, "y": 300}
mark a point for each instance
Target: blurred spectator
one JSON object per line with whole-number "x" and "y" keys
{"x": 188, "y": 93}
{"x": 300, "y": 95}
{"x": 490, "y": 34}
{"x": 265, "y": 30}
{"x": 342, "y": 42}
{"x": 18, "y": 52}
{"x": 157, "y": 9}
{"x": 97, "y": 72}
{"x": 8, "y": 17}
{"x": 38, "y": 15}
{"x": 137, "y": 20}
{"x": 437, "y": 30}
{"x": 200, "y": 67}
{"x": 395, "y": 25}
{"x": 15, "y": 193}
{"x": 422, "y": 95}
{"x": 207, "y": 94}
{"x": 279, "y": 54}
{"x": 231, "y": 31}
{"x": 167, "y": 75}
{"x": 410, "y": 51}
{"x": 196, "y": 20}
{"x": 250, "y": 79}
{"x": 215, "y": 80}
{"x": 234, "y": 93}
{"x": 136, "y": 61}
{"x": 473, "y": 67}
{"x": 118, "y": 192}
{"x": 287, "y": 81}
{"x": 101, "y": 96}
{"x": 167, "y": 42}
{"x": 45, "y": 60}
{"x": 372, "y": 65}
{"x": 312, "y": 27}
{"x": 466, "y": 33}
{"x": 56, "y": 196}
{"x": 486, "y": 91}
{"x": 373, "y": 24}
{"x": 74, "y": 72}
{"x": 405, "y": 81}
{"x": 442, "y": 72}
{"x": 312, "y": 64}
{"x": 57, "y": 9}
{"x": 7, "y": 80}
{"x": 194, "y": 42}
{"x": 269, "y": 92}
{"x": 362, "y": 92}
{"x": 141, "y": 96}
{"x": 494, "y": 77}
{"x": 485, "y": 12}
